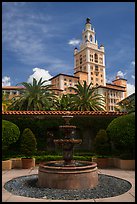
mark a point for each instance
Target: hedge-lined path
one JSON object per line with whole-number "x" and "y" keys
{"x": 123, "y": 174}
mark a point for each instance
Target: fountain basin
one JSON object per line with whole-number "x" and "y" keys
{"x": 80, "y": 175}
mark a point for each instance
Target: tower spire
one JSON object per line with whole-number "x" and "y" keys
{"x": 88, "y": 21}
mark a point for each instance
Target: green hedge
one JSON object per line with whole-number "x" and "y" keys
{"x": 121, "y": 132}
{"x": 10, "y": 133}
{"x": 40, "y": 127}
{"x": 45, "y": 158}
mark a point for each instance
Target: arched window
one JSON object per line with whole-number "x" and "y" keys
{"x": 91, "y": 38}
{"x": 96, "y": 57}
{"x": 85, "y": 38}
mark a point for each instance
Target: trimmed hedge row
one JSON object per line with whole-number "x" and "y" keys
{"x": 87, "y": 127}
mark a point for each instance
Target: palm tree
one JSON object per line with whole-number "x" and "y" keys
{"x": 86, "y": 99}
{"x": 62, "y": 102}
{"x": 35, "y": 96}
{"x": 126, "y": 105}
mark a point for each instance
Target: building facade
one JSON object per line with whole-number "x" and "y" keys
{"x": 89, "y": 66}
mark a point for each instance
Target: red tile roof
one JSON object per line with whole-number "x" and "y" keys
{"x": 112, "y": 86}
{"x": 12, "y": 87}
{"x": 86, "y": 113}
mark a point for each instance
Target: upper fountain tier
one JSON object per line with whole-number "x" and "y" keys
{"x": 67, "y": 118}
{"x": 67, "y": 126}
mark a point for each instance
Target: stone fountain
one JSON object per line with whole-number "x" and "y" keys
{"x": 68, "y": 173}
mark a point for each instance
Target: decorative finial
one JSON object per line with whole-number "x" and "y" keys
{"x": 87, "y": 20}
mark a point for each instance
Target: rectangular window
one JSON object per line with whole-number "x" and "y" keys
{"x": 96, "y": 68}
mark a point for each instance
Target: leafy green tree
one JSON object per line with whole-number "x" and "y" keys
{"x": 28, "y": 143}
{"x": 86, "y": 98}
{"x": 35, "y": 96}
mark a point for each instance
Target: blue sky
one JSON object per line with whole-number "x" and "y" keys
{"x": 38, "y": 38}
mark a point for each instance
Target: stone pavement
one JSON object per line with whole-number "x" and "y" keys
{"x": 123, "y": 174}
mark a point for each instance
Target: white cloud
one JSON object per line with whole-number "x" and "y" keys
{"x": 38, "y": 73}
{"x": 6, "y": 81}
{"x": 130, "y": 89}
{"x": 133, "y": 63}
{"x": 74, "y": 42}
{"x": 120, "y": 74}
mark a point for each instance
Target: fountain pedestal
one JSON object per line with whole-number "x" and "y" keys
{"x": 68, "y": 173}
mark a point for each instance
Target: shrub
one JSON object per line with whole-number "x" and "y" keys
{"x": 101, "y": 143}
{"x": 121, "y": 132}
{"x": 28, "y": 143}
{"x": 45, "y": 158}
{"x": 10, "y": 134}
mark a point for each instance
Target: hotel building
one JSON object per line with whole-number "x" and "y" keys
{"x": 89, "y": 66}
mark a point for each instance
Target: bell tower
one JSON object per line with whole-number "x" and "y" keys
{"x": 88, "y": 34}
{"x": 89, "y": 60}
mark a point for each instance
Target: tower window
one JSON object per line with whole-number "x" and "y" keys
{"x": 91, "y": 38}
{"x": 96, "y": 58}
{"x": 96, "y": 68}
{"x": 80, "y": 60}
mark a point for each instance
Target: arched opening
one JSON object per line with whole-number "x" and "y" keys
{"x": 91, "y": 38}
{"x": 96, "y": 57}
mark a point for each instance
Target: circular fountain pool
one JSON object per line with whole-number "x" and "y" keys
{"x": 74, "y": 175}
{"x": 108, "y": 186}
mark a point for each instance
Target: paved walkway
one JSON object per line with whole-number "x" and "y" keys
{"x": 124, "y": 174}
